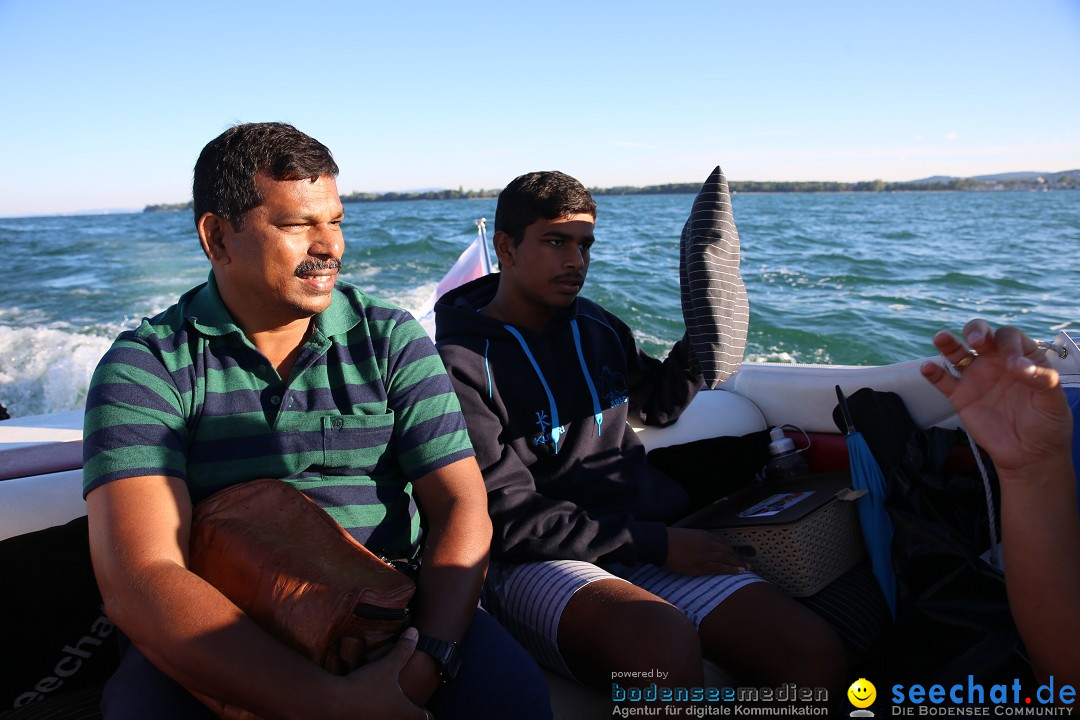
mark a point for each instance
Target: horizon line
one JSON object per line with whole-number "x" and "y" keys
{"x": 180, "y": 205}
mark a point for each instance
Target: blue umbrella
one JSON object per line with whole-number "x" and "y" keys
{"x": 877, "y": 529}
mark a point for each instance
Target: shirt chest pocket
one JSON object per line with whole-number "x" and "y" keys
{"x": 358, "y": 444}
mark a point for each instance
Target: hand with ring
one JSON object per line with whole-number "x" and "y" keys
{"x": 1012, "y": 404}
{"x": 1007, "y": 395}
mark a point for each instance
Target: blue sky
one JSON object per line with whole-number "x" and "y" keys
{"x": 107, "y": 104}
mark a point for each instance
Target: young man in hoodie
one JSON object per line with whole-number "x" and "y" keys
{"x": 586, "y": 571}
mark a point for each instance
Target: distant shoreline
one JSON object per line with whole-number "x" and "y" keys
{"x": 1068, "y": 180}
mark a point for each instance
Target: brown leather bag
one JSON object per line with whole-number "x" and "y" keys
{"x": 293, "y": 570}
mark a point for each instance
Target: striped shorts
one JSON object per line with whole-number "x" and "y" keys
{"x": 529, "y": 598}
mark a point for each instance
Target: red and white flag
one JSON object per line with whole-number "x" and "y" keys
{"x": 474, "y": 262}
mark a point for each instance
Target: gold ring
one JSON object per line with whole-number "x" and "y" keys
{"x": 962, "y": 363}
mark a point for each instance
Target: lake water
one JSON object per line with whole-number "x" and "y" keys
{"x": 860, "y": 279}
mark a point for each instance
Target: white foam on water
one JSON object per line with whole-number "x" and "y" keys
{"x": 776, "y": 355}
{"x": 355, "y": 272}
{"x": 412, "y": 299}
{"x": 645, "y": 338}
{"x": 45, "y": 370}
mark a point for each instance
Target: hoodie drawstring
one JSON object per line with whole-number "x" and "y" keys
{"x": 487, "y": 366}
{"x": 598, "y": 414}
{"x": 556, "y": 429}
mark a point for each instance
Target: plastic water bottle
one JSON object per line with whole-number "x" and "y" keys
{"x": 785, "y": 462}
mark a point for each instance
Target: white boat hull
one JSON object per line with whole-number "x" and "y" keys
{"x": 41, "y": 456}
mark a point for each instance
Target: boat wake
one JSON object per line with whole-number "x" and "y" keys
{"x": 46, "y": 370}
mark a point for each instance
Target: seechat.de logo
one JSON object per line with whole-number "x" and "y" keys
{"x": 975, "y": 698}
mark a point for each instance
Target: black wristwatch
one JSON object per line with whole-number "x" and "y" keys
{"x": 446, "y": 654}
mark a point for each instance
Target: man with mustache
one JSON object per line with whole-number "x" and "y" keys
{"x": 585, "y": 570}
{"x": 273, "y": 368}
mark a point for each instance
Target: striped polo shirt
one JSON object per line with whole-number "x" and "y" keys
{"x": 367, "y": 410}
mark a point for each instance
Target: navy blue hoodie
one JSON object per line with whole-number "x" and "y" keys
{"x": 566, "y": 476}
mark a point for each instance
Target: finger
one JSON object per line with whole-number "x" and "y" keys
{"x": 1033, "y": 374}
{"x": 979, "y": 335}
{"x": 943, "y": 381}
{"x": 403, "y": 649}
{"x": 1012, "y": 342}
{"x": 729, "y": 555}
{"x": 947, "y": 343}
{"x": 720, "y": 551}
{"x": 725, "y": 555}
{"x": 950, "y": 347}
{"x": 724, "y": 568}
{"x": 726, "y": 565}
{"x": 707, "y": 541}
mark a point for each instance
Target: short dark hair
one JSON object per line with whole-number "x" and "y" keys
{"x": 547, "y": 195}
{"x": 224, "y": 182}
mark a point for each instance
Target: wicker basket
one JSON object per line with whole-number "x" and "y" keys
{"x": 800, "y": 550}
{"x": 802, "y": 557}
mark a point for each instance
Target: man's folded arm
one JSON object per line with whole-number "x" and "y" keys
{"x": 139, "y": 534}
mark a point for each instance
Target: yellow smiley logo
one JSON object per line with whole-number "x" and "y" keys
{"x": 862, "y": 693}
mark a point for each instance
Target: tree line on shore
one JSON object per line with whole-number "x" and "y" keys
{"x": 1056, "y": 181}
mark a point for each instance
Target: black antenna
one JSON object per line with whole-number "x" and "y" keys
{"x": 844, "y": 409}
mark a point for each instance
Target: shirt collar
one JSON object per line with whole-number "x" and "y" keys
{"x": 206, "y": 311}
{"x": 341, "y": 316}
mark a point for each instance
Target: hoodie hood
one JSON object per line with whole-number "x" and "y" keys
{"x": 457, "y": 313}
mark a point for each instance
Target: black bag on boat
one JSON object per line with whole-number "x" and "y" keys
{"x": 56, "y": 635}
{"x": 713, "y": 468}
{"x": 953, "y": 618}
